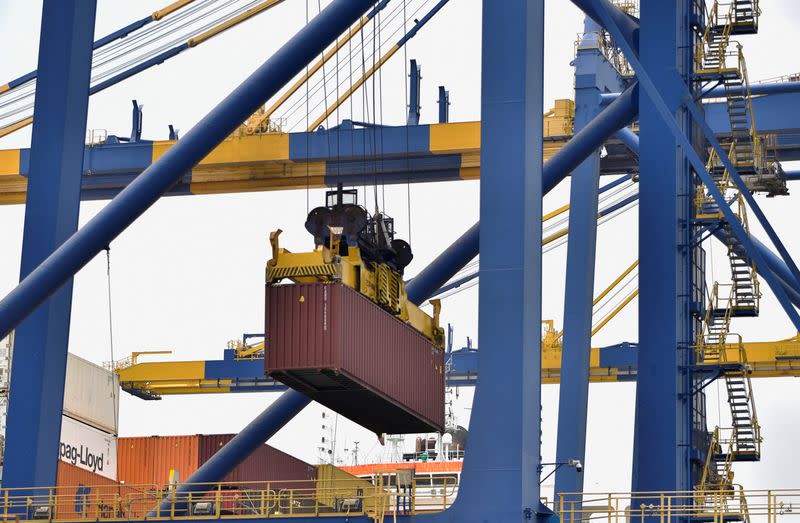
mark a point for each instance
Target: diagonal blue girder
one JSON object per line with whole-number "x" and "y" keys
{"x": 694, "y": 159}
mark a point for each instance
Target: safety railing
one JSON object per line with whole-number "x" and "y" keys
{"x": 602, "y": 41}
{"x": 710, "y": 54}
{"x": 272, "y": 499}
{"x": 717, "y": 475}
{"x": 717, "y": 506}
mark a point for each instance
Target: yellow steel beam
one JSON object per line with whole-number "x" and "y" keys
{"x": 366, "y": 76}
{"x": 260, "y": 162}
{"x": 767, "y": 359}
{"x": 616, "y": 311}
{"x": 171, "y": 8}
{"x": 19, "y": 124}
{"x": 314, "y": 68}
{"x": 236, "y": 20}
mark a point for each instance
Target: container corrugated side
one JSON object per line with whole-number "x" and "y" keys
{"x": 81, "y": 494}
{"x": 343, "y": 350}
{"x": 391, "y": 357}
{"x": 148, "y": 460}
{"x": 265, "y": 464}
{"x": 91, "y": 394}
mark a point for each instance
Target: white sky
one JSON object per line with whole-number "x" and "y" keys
{"x": 188, "y": 275}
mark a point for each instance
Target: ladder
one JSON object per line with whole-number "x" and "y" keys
{"x": 720, "y": 59}
{"x": 713, "y": 348}
{"x": 717, "y": 473}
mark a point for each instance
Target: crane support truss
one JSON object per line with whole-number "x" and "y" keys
{"x": 416, "y": 154}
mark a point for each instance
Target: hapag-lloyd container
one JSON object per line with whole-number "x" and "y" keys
{"x": 91, "y": 394}
{"x": 345, "y": 352}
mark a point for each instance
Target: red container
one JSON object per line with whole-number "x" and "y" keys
{"x": 265, "y": 464}
{"x": 344, "y": 351}
{"x": 148, "y": 460}
{"x": 81, "y": 494}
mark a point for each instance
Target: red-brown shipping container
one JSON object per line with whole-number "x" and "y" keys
{"x": 342, "y": 350}
{"x": 148, "y": 460}
{"x": 265, "y": 464}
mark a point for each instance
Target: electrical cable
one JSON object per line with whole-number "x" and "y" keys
{"x": 293, "y": 107}
{"x": 111, "y": 343}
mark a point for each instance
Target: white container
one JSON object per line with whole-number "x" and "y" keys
{"x": 91, "y": 395}
{"x": 88, "y": 448}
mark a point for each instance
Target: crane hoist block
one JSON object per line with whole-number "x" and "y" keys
{"x": 344, "y": 351}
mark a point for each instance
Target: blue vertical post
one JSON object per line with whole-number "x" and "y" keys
{"x": 593, "y": 75}
{"x": 136, "y": 122}
{"x": 500, "y": 482}
{"x": 444, "y": 105}
{"x": 661, "y": 439}
{"x": 414, "y": 84}
{"x": 51, "y": 216}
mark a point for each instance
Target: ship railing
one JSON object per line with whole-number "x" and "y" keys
{"x": 228, "y": 500}
{"x": 707, "y": 505}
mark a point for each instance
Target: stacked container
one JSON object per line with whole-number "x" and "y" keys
{"x": 149, "y": 460}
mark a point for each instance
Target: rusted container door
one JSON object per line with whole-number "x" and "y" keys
{"x": 344, "y": 351}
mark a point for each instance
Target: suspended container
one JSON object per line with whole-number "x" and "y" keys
{"x": 342, "y": 350}
{"x": 91, "y": 394}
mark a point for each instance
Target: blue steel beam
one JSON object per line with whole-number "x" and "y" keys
{"x": 593, "y": 75}
{"x": 444, "y": 105}
{"x": 662, "y": 446}
{"x": 255, "y": 434}
{"x": 629, "y": 26}
{"x": 414, "y": 154}
{"x": 500, "y": 483}
{"x": 629, "y": 138}
{"x": 414, "y": 85}
{"x": 115, "y": 217}
{"x": 614, "y": 117}
{"x": 51, "y": 216}
{"x": 676, "y": 86}
{"x": 116, "y": 35}
{"x": 719, "y": 91}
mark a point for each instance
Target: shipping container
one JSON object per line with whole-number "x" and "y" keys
{"x": 265, "y": 464}
{"x": 149, "y": 460}
{"x": 81, "y": 494}
{"x": 88, "y": 448}
{"x": 342, "y": 350}
{"x": 91, "y": 394}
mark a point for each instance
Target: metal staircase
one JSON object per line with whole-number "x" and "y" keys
{"x": 716, "y": 349}
{"x": 717, "y": 473}
{"x": 720, "y": 59}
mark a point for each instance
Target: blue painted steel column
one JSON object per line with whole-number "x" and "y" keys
{"x": 157, "y": 179}
{"x": 593, "y": 75}
{"x": 414, "y": 84}
{"x": 444, "y": 105}
{"x": 500, "y": 482}
{"x": 51, "y": 216}
{"x": 661, "y": 443}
